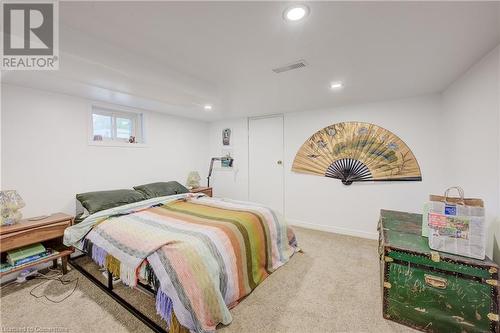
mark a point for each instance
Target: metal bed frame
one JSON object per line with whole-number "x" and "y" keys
{"x": 108, "y": 289}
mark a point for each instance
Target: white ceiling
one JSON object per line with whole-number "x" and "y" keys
{"x": 176, "y": 56}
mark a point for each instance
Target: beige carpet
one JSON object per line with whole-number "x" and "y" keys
{"x": 332, "y": 287}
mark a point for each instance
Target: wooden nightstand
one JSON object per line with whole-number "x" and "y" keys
{"x": 48, "y": 231}
{"x": 202, "y": 189}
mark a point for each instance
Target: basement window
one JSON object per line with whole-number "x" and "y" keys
{"x": 111, "y": 127}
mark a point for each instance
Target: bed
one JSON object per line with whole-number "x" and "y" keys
{"x": 199, "y": 255}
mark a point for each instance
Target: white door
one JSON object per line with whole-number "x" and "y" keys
{"x": 265, "y": 161}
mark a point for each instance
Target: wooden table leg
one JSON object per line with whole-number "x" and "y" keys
{"x": 54, "y": 264}
{"x": 64, "y": 261}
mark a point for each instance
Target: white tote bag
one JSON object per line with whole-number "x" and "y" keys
{"x": 457, "y": 224}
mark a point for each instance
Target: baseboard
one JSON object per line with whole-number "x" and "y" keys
{"x": 333, "y": 229}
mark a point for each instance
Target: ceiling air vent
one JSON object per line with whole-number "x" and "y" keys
{"x": 295, "y": 65}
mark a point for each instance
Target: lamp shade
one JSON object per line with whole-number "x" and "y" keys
{"x": 193, "y": 180}
{"x": 10, "y": 204}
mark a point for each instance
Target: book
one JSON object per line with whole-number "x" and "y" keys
{"x": 30, "y": 259}
{"x": 16, "y": 255}
{"x": 6, "y": 266}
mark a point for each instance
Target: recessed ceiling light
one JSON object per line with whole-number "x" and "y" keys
{"x": 295, "y": 13}
{"x": 207, "y": 107}
{"x": 336, "y": 85}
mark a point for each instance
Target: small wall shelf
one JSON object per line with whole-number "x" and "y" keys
{"x": 224, "y": 169}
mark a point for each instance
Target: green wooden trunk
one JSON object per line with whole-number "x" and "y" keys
{"x": 433, "y": 291}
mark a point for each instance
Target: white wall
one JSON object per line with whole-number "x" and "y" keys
{"x": 496, "y": 242}
{"x": 325, "y": 203}
{"x": 471, "y": 117}
{"x": 230, "y": 183}
{"x": 455, "y": 137}
{"x": 355, "y": 209}
{"x": 47, "y": 158}
{"x": 0, "y": 131}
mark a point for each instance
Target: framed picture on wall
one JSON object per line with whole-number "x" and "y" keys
{"x": 226, "y": 137}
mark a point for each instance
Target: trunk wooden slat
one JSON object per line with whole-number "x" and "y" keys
{"x": 433, "y": 291}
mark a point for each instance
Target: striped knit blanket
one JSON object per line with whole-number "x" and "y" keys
{"x": 206, "y": 254}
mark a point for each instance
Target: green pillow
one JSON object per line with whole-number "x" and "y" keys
{"x": 101, "y": 200}
{"x": 161, "y": 189}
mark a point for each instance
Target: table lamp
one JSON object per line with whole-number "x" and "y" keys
{"x": 10, "y": 205}
{"x": 193, "y": 180}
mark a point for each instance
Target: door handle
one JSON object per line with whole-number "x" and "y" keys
{"x": 280, "y": 162}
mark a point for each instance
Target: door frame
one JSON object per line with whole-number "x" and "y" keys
{"x": 274, "y": 115}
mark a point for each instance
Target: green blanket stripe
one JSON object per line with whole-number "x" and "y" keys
{"x": 264, "y": 225}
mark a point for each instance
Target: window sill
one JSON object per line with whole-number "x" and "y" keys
{"x": 117, "y": 144}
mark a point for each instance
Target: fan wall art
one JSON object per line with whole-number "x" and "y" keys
{"x": 357, "y": 152}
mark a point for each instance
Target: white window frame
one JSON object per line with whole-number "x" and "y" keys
{"x": 137, "y": 118}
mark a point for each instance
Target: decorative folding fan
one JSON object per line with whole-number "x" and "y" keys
{"x": 354, "y": 152}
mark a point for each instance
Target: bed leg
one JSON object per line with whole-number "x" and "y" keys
{"x": 110, "y": 280}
